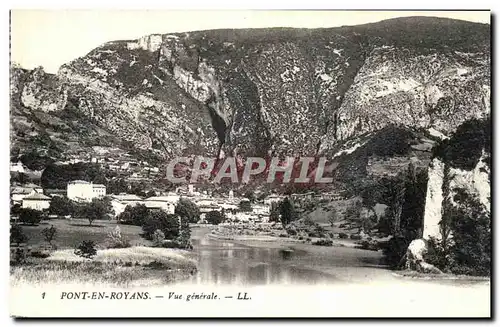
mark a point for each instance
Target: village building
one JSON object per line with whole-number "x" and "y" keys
{"x": 36, "y": 201}
{"x": 166, "y": 202}
{"x": 55, "y": 192}
{"x": 84, "y": 191}
{"x": 18, "y": 193}
{"x": 17, "y": 167}
{"x": 122, "y": 200}
{"x": 260, "y": 209}
{"x": 272, "y": 199}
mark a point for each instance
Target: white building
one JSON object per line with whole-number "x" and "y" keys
{"x": 122, "y": 200}
{"x": 17, "y": 167}
{"x": 272, "y": 199}
{"x": 36, "y": 201}
{"x": 84, "y": 191}
{"x": 260, "y": 209}
{"x": 166, "y": 202}
{"x": 18, "y": 193}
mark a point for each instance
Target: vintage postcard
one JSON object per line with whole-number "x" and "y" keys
{"x": 250, "y": 163}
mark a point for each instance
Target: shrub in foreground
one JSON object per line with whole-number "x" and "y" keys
{"x": 86, "y": 249}
{"x": 116, "y": 240}
{"x": 323, "y": 242}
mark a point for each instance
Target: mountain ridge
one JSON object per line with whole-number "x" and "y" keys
{"x": 275, "y": 91}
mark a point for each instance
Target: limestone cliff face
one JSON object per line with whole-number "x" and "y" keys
{"x": 431, "y": 90}
{"x": 434, "y": 200}
{"x": 450, "y": 175}
{"x": 276, "y": 91}
{"x": 43, "y": 92}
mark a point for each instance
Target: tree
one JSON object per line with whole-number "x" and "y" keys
{"x": 394, "y": 193}
{"x": 250, "y": 196}
{"x": 49, "y": 233}
{"x": 98, "y": 209}
{"x": 353, "y": 212}
{"x": 412, "y": 213}
{"x": 30, "y": 216}
{"x": 274, "y": 212}
{"x": 469, "y": 226}
{"x": 287, "y": 212}
{"x": 332, "y": 216}
{"x": 58, "y": 176}
{"x": 61, "y": 206}
{"x": 187, "y": 209}
{"x": 159, "y": 219}
{"x": 15, "y": 210}
{"x": 134, "y": 215}
{"x": 17, "y": 235}
{"x": 185, "y": 234}
{"x": 245, "y": 206}
{"x": 117, "y": 186}
{"x": 215, "y": 217}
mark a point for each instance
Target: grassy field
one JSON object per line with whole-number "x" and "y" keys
{"x": 129, "y": 267}
{"x": 72, "y": 232}
{"x": 138, "y": 265}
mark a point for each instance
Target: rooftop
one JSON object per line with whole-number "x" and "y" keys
{"x": 126, "y": 197}
{"x": 37, "y": 196}
{"x": 161, "y": 198}
{"x": 78, "y": 182}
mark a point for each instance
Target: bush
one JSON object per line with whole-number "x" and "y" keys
{"x": 171, "y": 244}
{"x": 40, "y": 253}
{"x": 17, "y": 235}
{"x": 291, "y": 232}
{"x": 49, "y": 233}
{"x": 215, "y": 217}
{"x": 323, "y": 242}
{"x": 437, "y": 255}
{"x": 245, "y": 206}
{"x": 18, "y": 255}
{"x": 394, "y": 250}
{"x": 116, "y": 240}
{"x": 343, "y": 235}
{"x": 158, "y": 237}
{"x": 468, "y": 250}
{"x": 86, "y": 249}
{"x": 30, "y": 216}
{"x": 367, "y": 245}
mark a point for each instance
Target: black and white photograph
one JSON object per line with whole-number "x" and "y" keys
{"x": 250, "y": 163}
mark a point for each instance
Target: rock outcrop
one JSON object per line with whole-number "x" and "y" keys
{"x": 460, "y": 171}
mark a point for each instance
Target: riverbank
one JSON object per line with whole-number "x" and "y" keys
{"x": 344, "y": 259}
{"x": 129, "y": 267}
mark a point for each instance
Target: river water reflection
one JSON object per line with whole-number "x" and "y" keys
{"x": 225, "y": 262}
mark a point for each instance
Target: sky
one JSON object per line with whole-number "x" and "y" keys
{"x": 50, "y": 38}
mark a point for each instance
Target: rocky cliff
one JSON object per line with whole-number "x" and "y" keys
{"x": 461, "y": 167}
{"x": 274, "y": 91}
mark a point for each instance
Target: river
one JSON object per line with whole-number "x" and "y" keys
{"x": 230, "y": 262}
